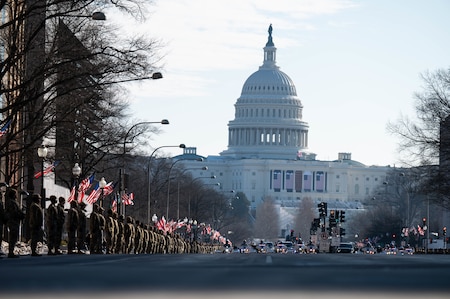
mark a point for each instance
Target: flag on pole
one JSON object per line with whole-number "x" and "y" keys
{"x": 161, "y": 224}
{"x": 114, "y": 205}
{"x": 128, "y": 198}
{"x": 72, "y": 195}
{"x": 5, "y": 128}
{"x": 95, "y": 194}
{"x": 109, "y": 188}
{"x": 47, "y": 170}
{"x": 84, "y": 186}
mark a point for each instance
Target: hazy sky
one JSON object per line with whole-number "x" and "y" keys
{"x": 356, "y": 66}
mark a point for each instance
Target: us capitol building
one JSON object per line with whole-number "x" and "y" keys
{"x": 268, "y": 156}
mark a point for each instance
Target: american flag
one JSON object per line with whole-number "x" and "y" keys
{"x": 114, "y": 206}
{"x": 320, "y": 181}
{"x": 277, "y": 180}
{"x": 95, "y": 194}
{"x": 109, "y": 188}
{"x": 128, "y": 198}
{"x": 307, "y": 181}
{"x": 84, "y": 186}
{"x": 289, "y": 180}
{"x": 72, "y": 195}
{"x": 5, "y": 128}
{"x": 161, "y": 224}
{"x": 47, "y": 170}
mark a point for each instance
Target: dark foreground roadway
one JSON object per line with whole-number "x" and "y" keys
{"x": 223, "y": 275}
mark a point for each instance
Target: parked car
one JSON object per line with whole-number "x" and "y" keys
{"x": 311, "y": 248}
{"x": 280, "y": 248}
{"x": 345, "y": 248}
{"x": 407, "y": 250}
{"x": 368, "y": 249}
{"x": 289, "y": 247}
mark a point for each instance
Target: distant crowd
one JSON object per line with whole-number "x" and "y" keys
{"x": 104, "y": 232}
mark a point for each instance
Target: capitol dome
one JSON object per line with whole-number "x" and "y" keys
{"x": 268, "y": 115}
{"x": 267, "y": 81}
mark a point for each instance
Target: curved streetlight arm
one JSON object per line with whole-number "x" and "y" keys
{"x": 168, "y": 183}
{"x": 148, "y": 175}
{"x": 163, "y": 122}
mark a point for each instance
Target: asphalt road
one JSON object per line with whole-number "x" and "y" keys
{"x": 224, "y": 275}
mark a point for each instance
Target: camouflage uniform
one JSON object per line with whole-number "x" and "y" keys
{"x": 109, "y": 232}
{"x": 36, "y": 219}
{"x": 72, "y": 227}
{"x": 13, "y": 216}
{"x": 81, "y": 229}
{"x": 94, "y": 228}
{"x": 102, "y": 224}
{"x": 51, "y": 223}
{"x": 115, "y": 237}
{"x": 137, "y": 238}
{"x": 129, "y": 235}
{"x": 120, "y": 243}
{"x": 61, "y": 218}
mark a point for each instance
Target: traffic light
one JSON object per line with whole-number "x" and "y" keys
{"x": 342, "y": 231}
{"x": 444, "y": 231}
{"x": 332, "y": 214}
{"x": 322, "y": 209}
{"x": 332, "y": 219}
{"x": 342, "y": 216}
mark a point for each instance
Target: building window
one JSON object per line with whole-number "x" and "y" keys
{"x": 337, "y": 188}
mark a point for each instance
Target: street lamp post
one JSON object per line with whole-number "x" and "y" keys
{"x": 42, "y": 153}
{"x": 178, "y": 187}
{"x": 168, "y": 184}
{"x": 149, "y": 176}
{"x": 192, "y": 182}
{"x": 122, "y": 171}
{"x": 102, "y": 185}
{"x": 76, "y": 171}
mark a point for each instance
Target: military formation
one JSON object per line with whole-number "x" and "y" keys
{"x": 104, "y": 232}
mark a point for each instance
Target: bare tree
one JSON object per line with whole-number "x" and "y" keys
{"x": 304, "y": 217}
{"x": 61, "y": 79}
{"x": 426, "y": 141}
{"x": 267, "y": 222}
{"x": 420, "y": 138}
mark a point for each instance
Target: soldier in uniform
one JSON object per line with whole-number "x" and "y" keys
{"x": 61, "y": 218}
{"x": 94, "y": 228}
{"x": 81, "y": 229}
{"x": 115, "y": 238}
{"x": 72, "y": 227}
{"x": 129, "y": 235}
{"x": 36, "y": 221}
{"x": 51, "y": 225}
{"x": 102, "y": 224}
{"x": 109, "y": 231}
{"x": 120, "y": 243}
{"x": 137, "y": 237}
{"x": 13, "y": 215}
